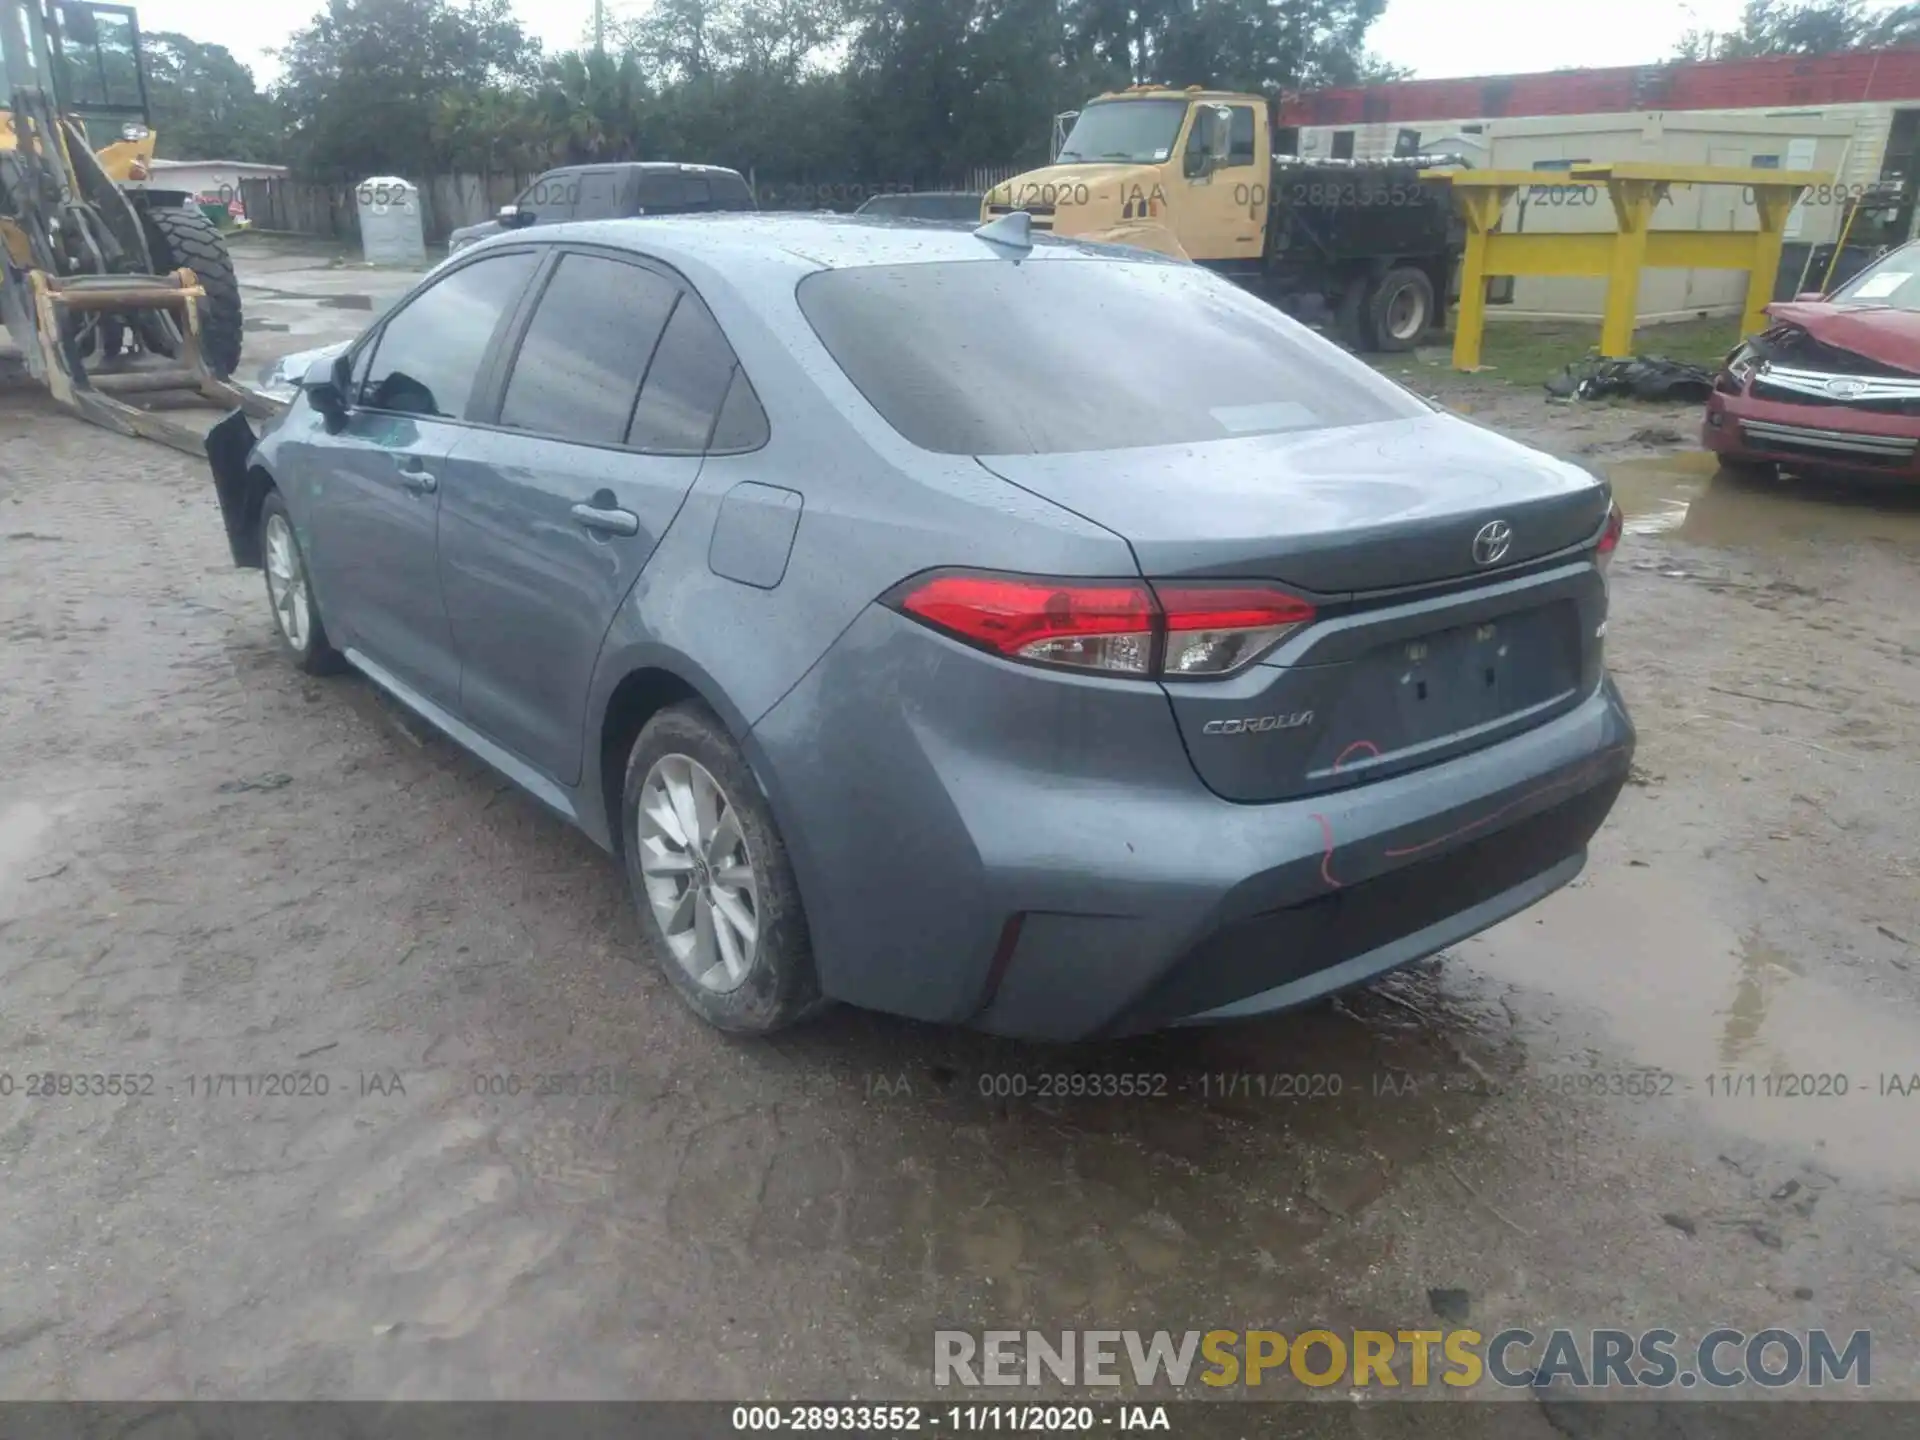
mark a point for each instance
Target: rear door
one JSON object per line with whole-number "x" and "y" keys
{"x": 375, "y": 492}
{"x": 603, "y": 416}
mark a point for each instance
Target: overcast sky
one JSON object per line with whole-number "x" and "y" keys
{"x": 1434, "y": 37}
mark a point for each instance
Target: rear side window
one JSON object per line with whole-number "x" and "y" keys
{"x": 1240, "y": 136}
{"x": 686, "y": 384}
{"x": 742, "y": 424}
{"x": 578, "y": 370}
{"x": 986, "y": 357}
{"x": 429, "y": 354}
{"x": 662, "y": 194}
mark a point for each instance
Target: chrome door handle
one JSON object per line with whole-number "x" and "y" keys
{"x": 611, "y": 522}
{"x": 421, "y": 482}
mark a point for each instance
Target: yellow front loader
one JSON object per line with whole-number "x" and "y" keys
{"x": 122, "y": 299}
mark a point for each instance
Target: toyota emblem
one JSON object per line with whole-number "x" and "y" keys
{"x": 1846, "y": 388}
{"x": 1491, "y": 543}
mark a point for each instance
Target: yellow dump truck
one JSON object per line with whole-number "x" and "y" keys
{"x": 1192, "y": 173}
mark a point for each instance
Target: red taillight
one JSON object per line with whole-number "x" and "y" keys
{"x": 1610, "y": 537}
{"x": 1116, "y": 627}
{"x": 1089, "y": 625}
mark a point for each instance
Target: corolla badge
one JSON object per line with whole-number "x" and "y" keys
{"x": 1846, "y": 388}
{"x": 1258, "y": 724}
{"x": 1491, "y": 543}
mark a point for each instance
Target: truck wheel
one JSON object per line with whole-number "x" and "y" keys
{"x": 1350, "y": 316}
{"x": 182, "y": 237}
{"x": 1400, "y": 310}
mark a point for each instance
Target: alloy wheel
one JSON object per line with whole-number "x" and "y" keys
{"x": 287, "y": 583}
{"x": 698, "y": 873}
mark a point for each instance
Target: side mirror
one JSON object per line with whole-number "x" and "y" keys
{"x": 1219, "y": 134}
{"x": 1808, "y": 297}
{"x": 512, "y": 217}
{"x": 1210, "y": 145}
{"x": 326, "y": 384}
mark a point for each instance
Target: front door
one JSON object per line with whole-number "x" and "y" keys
{"x": 1221, "y": 214}
{"x": 549, "y": 517}
{"x": 377, "y": 494}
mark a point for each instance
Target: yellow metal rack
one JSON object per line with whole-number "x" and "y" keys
{"x": 1635, "y": 188}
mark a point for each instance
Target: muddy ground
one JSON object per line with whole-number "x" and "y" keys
{"x": 212, "y": 866}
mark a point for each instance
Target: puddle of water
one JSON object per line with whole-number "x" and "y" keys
{"x": 1688, "y": 497}
{"x": 347, "y": 302}
{"x": 1760, "y": 1047}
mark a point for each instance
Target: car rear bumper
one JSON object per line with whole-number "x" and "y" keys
{"x": 1825, "y": 437}
{"x": 1033, "y": 854}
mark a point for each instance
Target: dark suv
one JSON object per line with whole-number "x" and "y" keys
{"x": 612, "y": 192}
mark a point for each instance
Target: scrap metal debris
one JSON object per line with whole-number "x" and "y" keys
{"x": 1647, "y": 377}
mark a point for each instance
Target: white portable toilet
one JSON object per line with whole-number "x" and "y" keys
{"x": 392, "y": 231}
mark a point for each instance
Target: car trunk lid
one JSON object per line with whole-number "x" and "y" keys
{"x": 1426, "y": 643}
{"x": 1361, "y": 508}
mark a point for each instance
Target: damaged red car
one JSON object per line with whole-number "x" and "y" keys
{"x": 1833, "y": 385}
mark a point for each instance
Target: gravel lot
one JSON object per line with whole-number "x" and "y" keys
{"x": 211, "y": 866}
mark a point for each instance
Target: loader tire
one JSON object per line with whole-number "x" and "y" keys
{"x": 186, "y": 237}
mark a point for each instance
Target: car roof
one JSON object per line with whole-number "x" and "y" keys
{"x": 651, "y": 166}
{"x": 771, "y": 241}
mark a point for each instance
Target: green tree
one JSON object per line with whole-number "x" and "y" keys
{"x": 363, "y": 83}
{"x": 1804, "y": 27}
{"x": 204, "y": 102}
{"x": 1262, "y": 45}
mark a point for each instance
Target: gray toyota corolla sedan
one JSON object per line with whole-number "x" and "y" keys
{"x": 1036, "y": 636}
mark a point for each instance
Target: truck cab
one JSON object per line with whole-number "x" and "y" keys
{"x": 1188, "y": 169}
{"x": 1371, "y": 247}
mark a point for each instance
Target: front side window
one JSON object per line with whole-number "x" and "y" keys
{"x": 579, "y": 368}
{"x": 984, "y": 357}
{"x": 99, "y": 58}
{"x": 552, "y": 197}
{"x": 428, "y": 356}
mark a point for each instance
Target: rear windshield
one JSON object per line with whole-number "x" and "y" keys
{"x": 1892, "y": 281}
{"x": 988, "y": 357}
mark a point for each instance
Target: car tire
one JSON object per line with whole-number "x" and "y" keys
{"x": 296, "y": 615}
{"x": 686, "y": 773}
{"x": 1400, "y": 310}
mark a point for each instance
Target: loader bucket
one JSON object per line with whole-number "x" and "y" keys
{"x": 144, "y": 396}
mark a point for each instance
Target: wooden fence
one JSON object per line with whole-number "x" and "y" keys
{"x": 326, "y": 209}
{"x": 315, "y": 207}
